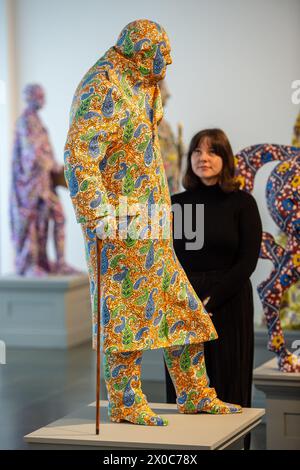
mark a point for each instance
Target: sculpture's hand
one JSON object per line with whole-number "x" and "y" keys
{"x": 57, "y": 176}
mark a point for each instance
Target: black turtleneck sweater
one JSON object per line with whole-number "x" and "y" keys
{"x": 232, "y": 237}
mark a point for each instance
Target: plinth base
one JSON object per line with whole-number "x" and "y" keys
{"x": 200, "y": 431}
{"x": 282, "y": 392}
{"x": 52, "y": 312}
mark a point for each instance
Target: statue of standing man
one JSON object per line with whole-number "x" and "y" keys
{"x": 34, "y": 200}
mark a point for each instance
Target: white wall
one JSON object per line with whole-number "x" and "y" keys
{"x": 233, "y": 65}
{"x": 8, "y": 113}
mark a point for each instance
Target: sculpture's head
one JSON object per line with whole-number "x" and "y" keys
{"x": 34, "y": 96}
{"x": 146, "y": 44}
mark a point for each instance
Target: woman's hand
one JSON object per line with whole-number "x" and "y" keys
{"x": 205, "y": 301}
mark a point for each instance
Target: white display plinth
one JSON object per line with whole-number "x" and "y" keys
{"x": 53, "y": 312}
{"x": 199, "y": 431}
{"x": 282, "y": 405}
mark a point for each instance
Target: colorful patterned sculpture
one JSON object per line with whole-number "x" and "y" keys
{"x": 170, "y": 147}
{"x": 112, "y": 150}
{"x": 283, "y": 201}
{"x": 34, "y": 201}
{"x": 144, "y": 296}
{"x": 290, "y": 304}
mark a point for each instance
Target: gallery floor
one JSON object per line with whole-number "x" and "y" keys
{"x": 41, "y": 386}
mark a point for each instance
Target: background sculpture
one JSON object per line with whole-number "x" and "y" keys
{"x": 296, "y": 135}
{"x": 34, "y": 201}
{"x": 171, "y": 147}
{"x": 283, "y": 201}
{"x": 290, "y": 304}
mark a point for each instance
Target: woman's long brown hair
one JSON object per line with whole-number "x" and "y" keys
{"x": 220, "y": 145}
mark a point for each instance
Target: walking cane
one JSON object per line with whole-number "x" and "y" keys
{"x": 98, "y": 336}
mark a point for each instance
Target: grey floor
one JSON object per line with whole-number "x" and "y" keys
{"x": 41, "y": 386}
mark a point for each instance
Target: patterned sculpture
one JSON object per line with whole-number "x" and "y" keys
{"x": 170, "y": 147}
{"x": 34, "y": 201}
{"x": 144, "y": 296}
{"x": 112, "y": 150}
{"x": 283, "y": 201}
{"x": 290, "y": 304}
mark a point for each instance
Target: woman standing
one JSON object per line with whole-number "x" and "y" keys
{"x": 220, "y": 270}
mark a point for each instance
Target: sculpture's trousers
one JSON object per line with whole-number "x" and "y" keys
{"x": 123, "y": 381}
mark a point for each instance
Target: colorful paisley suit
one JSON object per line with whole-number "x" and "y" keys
{"x": 146, "y": 299}
{"x": 112, "y": 150}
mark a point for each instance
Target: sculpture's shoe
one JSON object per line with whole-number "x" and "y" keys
{"x": 64, "y": 268}
{"x": 138, "y": 414}
{"x": 211, "y": 406}
{"x": 35, "y": 271}
{"x": 219, "y": 407}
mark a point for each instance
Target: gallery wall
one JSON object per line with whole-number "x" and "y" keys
{"x": 233, "y": 65}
